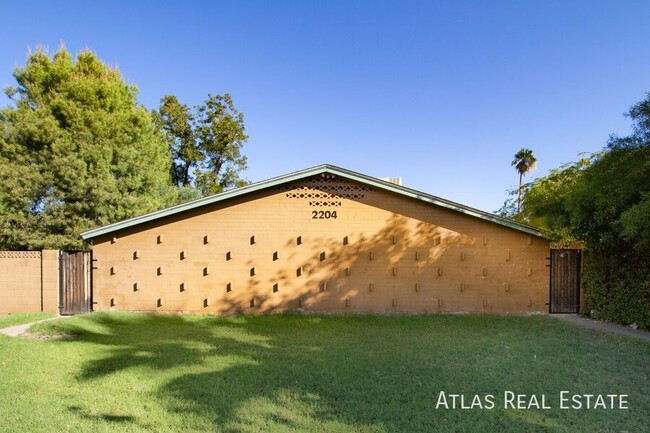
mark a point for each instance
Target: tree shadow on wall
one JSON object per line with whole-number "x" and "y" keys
{"x": 357, "y": 272}
{"x": 312, "y": 373}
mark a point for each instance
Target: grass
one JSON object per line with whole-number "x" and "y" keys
{"x": 7, "y": 320}
{"x": 137, "y": 373}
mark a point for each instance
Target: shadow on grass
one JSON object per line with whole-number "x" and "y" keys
{"x": 351, "y": 373}
{"x": 104, "y": 416}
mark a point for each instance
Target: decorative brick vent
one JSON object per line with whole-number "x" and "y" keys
{"x": 325, "y": 203}
{"x": 328, "y": 187}
{"x": 20, "y": 254}
{"x": 323, "y": 195}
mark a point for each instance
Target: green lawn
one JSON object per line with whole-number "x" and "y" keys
{"x": 7, "y": 320}
{"x": 136, "y": 373}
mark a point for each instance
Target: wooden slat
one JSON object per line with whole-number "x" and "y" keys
{"x": 75, "y": 282}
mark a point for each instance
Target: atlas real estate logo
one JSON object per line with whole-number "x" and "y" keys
{"x": 511, "y": 400}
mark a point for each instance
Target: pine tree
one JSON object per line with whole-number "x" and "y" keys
{"x": 76, "y": 151}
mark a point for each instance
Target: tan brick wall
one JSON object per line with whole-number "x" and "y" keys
{"x": 383, "y": 253}
{"x": 50, "y": 265}
{"x": 20, "y": 284}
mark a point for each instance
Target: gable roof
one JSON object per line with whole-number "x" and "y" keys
{"x": 302, "y": 174}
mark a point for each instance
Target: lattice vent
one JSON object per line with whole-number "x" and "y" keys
{"x": 333, "y": 188}
{"x": 324, "y": 188}
{"x": 325, "y": 203}
{"x": 20, "y": 254}
{"x": 323, "y": 195}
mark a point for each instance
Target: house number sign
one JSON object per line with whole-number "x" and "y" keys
{"x": 323, "y": 214}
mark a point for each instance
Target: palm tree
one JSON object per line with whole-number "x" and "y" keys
{"x": 524, "y": 162}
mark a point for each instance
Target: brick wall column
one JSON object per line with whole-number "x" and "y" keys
{"x": 50, "y": 280}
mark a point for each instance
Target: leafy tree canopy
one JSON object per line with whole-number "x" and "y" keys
{"x": 76, "y": 151}
{"x": 610, "y": 205}
{"x": 546, "y": 200}
{"x": 601, "y": 196}
{"x": 205, "y": 142}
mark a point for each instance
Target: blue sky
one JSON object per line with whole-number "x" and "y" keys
{"x": 439, "y": 93}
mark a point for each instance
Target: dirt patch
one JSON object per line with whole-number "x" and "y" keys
{"x": 51, "y": 336}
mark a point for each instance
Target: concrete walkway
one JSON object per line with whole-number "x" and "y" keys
{"x": 603, "y": 326}
{"x": 16, "y": 331}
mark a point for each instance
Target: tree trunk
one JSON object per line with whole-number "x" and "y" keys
{"x": 521, "y": 175}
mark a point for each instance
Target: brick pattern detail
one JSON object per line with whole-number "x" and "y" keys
{"x": 323, "y": 195}
{"x": 324, "y": 187}
{"x": 325, "y": 203}
{"x": 20, "y": 254}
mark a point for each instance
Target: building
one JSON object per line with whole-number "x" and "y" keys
{"x": 321, "y": 239}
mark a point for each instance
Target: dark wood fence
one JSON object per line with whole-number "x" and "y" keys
{"x": 75, "y": 281}
{"x": 565, "y": 280}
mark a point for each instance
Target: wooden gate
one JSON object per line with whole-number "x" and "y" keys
{"x": 75, "y": 279}
{"x": 565, "y": 280}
